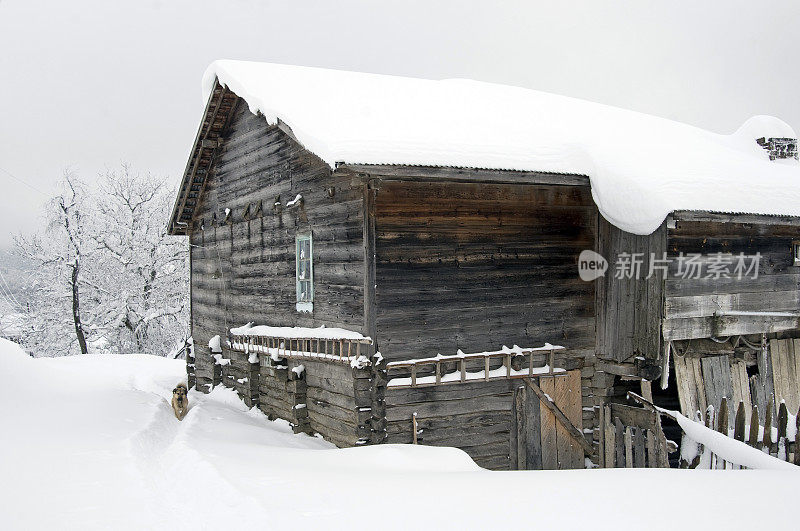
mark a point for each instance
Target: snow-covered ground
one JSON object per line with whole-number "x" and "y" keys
{"x": 90, "y": 442}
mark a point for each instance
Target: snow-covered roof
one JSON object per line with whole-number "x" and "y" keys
{"x": 641, "y": 167}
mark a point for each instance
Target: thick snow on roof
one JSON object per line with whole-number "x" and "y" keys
{"x": 641, "y": 167}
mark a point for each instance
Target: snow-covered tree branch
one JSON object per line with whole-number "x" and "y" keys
{"x": 105, "y": 260}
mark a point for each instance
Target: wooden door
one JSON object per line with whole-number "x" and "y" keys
{"x": 539, "y": 440}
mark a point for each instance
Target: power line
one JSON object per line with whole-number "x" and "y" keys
{"x": 29, "y": 185}
{"x": 8, "y": 289}
{"x": 8, "y": 301}
{"x": 106, "y": 220}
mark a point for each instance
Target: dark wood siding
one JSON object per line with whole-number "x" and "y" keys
{"x": 475, "y": 266}
{"x": 243, "y": 269}
{"x": 629, "y": 309}
{"x": 690, "y": 303}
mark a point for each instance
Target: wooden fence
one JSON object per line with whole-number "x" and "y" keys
{"x": 633, "y": 438}
{"x": 775, "y": 440}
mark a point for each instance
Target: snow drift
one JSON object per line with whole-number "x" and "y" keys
{"x": 90, "y": 442}
{"x": 641, "y": 167}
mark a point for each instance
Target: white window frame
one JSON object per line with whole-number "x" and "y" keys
{"x": 304, "y": 305}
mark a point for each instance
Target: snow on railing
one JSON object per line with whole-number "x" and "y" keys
{"x": 706, "y": 447}
{"x": 334, "y": 344}
{"x": 517, "y": 362}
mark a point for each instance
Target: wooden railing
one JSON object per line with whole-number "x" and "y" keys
{"x": 513, "y": 363}
{"x": 332, "y": 349}
{"x": 776, "y": 441}
{"x": 772, "y": 439}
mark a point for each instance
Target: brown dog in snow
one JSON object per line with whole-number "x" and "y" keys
{"x": 180, "y": 401}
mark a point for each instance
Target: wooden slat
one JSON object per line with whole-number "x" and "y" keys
{"x": 716, "y": 379}
{"x": 700, "y": 386}
{"x": 628, "y": 437}
{"x": 544, "y": 397}
{"x": 639, "y": 437}
{"x": 548, "y": 426}
{"x": 784, "y": 375}
{"x": 684, "y": 379}
{"x": 709, "y": 305}
{"x": 609, "y": 430}
{"x": 568, "y": 399}
{"x": 740, "y": 384}
{"x": 619, "y": 447}
{"x": 517, "y": 440}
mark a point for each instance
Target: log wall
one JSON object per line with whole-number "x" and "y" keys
{"x": 243, "y": 245}
{"x": 473, "y": 266}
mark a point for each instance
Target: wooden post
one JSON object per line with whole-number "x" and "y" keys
{"x": 710, "y": 424}
{"x": 463, "y": 370}
{"x": 722, "y": 418}
{"x": 414, "y": 426}
{"x": 752, "y": 439}
{"x": 738, "y": 430}
{"x": 797, "y": 440}
{"x": 647, "y": 389}
{"x": 768, "y": 427}
{"x": 619, "y": 451}
{"x": 610, "y": 438}
{"x": 486, "y": 368}
{"x": 783, "y": 420}
{"x": 507, "y": 362}
{"x": 551, "y": 360}
{"x": 414, "y": 375}
{"x": 438, "y": 368}
{"x": 628, "y": 447}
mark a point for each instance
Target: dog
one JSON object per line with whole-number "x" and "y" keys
{"x": 180, "y": 401}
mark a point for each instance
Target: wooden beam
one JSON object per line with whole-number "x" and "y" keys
{"x": 571, "y": 429}
{"x": 370, "y": 306}
{"x": 398, "y": 172}
{"x": 727, "y": 325}
{"x": 197, "y": 151}
{"x": 718, "y": 217}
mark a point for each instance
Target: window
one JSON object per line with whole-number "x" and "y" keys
{"x": 304, "y": 274}
{"x": 796, "y": 253}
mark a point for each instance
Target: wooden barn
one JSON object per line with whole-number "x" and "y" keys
{"x": 392, "y": 260}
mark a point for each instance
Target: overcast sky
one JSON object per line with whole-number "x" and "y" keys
{"x": 87, "y": 84}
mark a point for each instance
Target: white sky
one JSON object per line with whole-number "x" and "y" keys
{"x": 87, "y": 84}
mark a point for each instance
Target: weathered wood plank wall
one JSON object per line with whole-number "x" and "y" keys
{"x": 473, "y": 266}
{"x": 484, "y": 419}
{"x": 629, "y": 309}
{"x": 690, "y": 303}
{"x": 475, "y": 417}
{"x": 243, "y": 260}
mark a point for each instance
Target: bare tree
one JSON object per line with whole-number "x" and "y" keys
{"x": 59, "y": 256}
{"x": 106, "y": 261}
